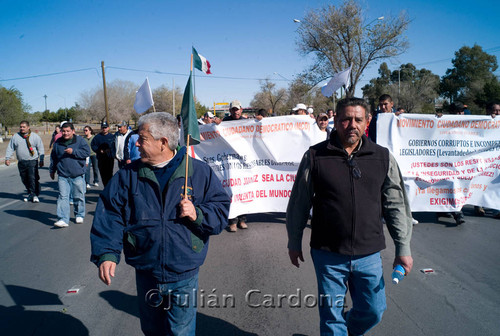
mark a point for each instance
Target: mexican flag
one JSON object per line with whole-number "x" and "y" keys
{"x": 200, "y": 62}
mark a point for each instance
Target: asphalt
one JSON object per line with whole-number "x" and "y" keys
{"x": 247, "y": 284}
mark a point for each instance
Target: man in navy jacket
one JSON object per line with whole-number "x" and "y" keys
{"x": 164, "y": 235}
{"x": 68, "y": 158}
{"x": 103, "y": 145}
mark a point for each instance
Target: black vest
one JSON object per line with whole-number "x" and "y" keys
{"x": 347, "y": 211}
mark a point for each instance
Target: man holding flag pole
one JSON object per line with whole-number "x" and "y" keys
{"x": 161, "y": 210}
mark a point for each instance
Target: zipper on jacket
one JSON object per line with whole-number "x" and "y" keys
{"x": 156, "y": 186}
{"x": 353, "y": 198}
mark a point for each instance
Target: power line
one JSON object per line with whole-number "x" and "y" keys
{"x": 491, "y": 50}
{"x": 49, "y": 74}
{"x": 186, "y": 75}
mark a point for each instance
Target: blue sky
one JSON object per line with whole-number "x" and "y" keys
{"x": 244, "y": 41}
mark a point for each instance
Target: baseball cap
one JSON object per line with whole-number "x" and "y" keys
{"x": 310, "y": 110}
{"x": 300, "y": 107}
{"x": 210, "y": 115}
{"x": 322, "y": 115}
{"x": 122, "y": 123}
{"x": 104, "y": 124}
{"x": 235, "y": 103}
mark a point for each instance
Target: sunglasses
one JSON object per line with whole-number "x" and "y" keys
{"x": 356, "y": 172}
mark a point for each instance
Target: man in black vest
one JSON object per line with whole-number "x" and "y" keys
{"x": 351, "y": 183}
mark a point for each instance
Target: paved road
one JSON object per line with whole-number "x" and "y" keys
{"x": 241, "y": 281}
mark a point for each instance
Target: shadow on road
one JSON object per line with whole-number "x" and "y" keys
{"x": 447, "y": 221}
{"x": 16, "y": 320}
{"x": 267, "y": 217}
{"x": 5, "y": 195}
{"x": 205, "y": 325}
{"x": 212, "y": 326}
{"x": 121, "y": 301}
{"x": 39, "y": 216}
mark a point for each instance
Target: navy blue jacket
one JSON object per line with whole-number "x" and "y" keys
{"x": 134, "y": 215}
{"x": 105, "y": 143}
{"x": 69, "y": 165}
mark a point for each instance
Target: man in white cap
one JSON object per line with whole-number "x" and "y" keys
{"x": 322, "y": 123}
{"x": 235, "y": 110}
{"x": 208, "y": 118}
{"x": 300, "y": 109}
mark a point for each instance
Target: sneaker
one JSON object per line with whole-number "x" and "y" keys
{"x": 96, "y": 184}
{"x": 88, "y": 186}
{"x": 35, "y": 199}
{"x": 414, "y": 221}
{"x": 60, "y": 223}
{"x": 71, "y": 203}
{"x": 26, "y": 199}
{"x": 79, "y": 220}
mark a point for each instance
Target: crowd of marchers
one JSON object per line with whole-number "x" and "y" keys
{"x": 161, "y": 207}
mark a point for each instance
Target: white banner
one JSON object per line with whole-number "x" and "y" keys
{"x": 447, "y": 162}
{"x": 257, "y": 160}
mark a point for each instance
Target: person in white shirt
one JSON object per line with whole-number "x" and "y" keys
{"x": 120, "y": 137}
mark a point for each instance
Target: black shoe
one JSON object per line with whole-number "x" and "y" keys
{"x": 443, "y": 214}
{"x": 479, "y": 211}
{"x": 459, "y": 218}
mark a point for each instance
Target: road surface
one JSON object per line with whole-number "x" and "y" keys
{"x": 247, "y": 285}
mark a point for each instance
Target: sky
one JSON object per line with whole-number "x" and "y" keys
{"x": 245, "y": 41}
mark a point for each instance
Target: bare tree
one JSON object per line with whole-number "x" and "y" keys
{"x": 340, "y": 37}
{"x": 121, "y": 97}
{"x": 270, "y": 98}
{"x": 301, "y": 92}
{"x": 162, "y": 97}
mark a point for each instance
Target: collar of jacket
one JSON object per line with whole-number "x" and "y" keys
{"x": 145, "y": 170}
{"x": 61, "y": 140}
{"x": 364, "y": 147}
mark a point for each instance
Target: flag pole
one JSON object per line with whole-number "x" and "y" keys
{"x": 187, "y": 147}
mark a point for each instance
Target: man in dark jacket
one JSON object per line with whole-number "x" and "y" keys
{"x": 68, "y": 158}
{"x": 351, "y": 184}
{"x": 163, "y": 233}
{"x": 103, "y": 144}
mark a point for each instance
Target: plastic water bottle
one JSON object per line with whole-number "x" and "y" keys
{"x": 398, "y": 274}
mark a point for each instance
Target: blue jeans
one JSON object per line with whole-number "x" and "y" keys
{"x": 176, "y": 315}
{"x": 93, "y": 163}
{"x": 76, "y": 187}
{"x": 363, "y": 276}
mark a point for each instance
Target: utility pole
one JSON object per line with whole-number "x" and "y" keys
{"x": 105, "y": 93}
{"x": 45, "y": 96}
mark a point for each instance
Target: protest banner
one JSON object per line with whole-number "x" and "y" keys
{"x": 446, "y": 162}
{"x": 257, "y": 161}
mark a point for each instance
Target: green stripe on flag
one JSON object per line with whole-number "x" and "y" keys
{"x": 188, "y": 115}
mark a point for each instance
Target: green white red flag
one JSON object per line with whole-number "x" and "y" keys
{"x": 200, "y": 62}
